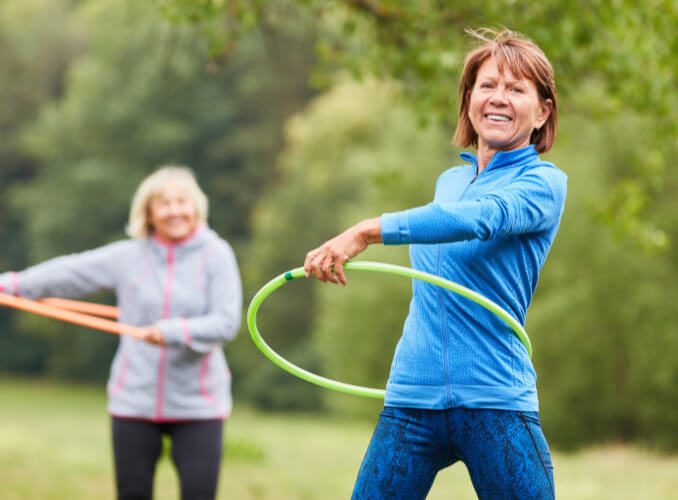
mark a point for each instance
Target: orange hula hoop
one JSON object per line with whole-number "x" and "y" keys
{"x": 74, "y": 311}
{"x": 80, "y": 306}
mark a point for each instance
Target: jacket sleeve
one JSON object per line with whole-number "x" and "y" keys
{"x": 532, "y": 203}
{"x": 222, "y": 319}
{"x": 68, "y": 276}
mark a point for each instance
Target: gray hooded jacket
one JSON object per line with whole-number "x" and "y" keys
{"x": 190, "y": 289}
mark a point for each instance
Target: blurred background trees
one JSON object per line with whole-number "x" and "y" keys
{"x": 301, "y": 117}
{"x": 129, "y": 92}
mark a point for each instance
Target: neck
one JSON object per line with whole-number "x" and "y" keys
{"x": 485, "y": 154}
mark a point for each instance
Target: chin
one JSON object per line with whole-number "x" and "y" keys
{"x": 181, "y": 236}
{"x": 503, "y": 145}
{"x": 176, "y": 235}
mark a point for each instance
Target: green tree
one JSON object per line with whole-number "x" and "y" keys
{"x": 35, "y": 50}
{"x": 610, "y": 57}
{"x": 356, "y": 151}
{"x": 602, "y": 321}
{"x": 143, "y": 92}
{"x": 297, "y": 214}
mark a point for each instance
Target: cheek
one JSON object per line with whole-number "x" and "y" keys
{"x": 533, "y": 111}
{"x": 191, "y": 212}
{"x": 473, "y": 109}
{"x": 475, "y": 106}
{"x": 154, "y": 216}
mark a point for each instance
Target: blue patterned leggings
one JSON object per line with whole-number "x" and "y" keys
{"x": 505, "y": 453}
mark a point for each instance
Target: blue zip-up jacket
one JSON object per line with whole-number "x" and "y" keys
{"x": 490, "y": 232}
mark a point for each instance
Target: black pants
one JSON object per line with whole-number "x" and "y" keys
{"x": 196, "y": 452}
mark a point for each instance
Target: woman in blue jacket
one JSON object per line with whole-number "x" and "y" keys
{"x": 179, "y": 281}
{"x": 461, "y": 386}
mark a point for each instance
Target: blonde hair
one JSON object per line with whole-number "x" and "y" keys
{"x": 525, "y": 60}
{"x": 139, "y": 225}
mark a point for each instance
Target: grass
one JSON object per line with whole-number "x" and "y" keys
{"x": 55, "y": 444}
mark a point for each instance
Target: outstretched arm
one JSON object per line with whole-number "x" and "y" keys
{"x": 69, "y": 276}
{"x": 532, "y": 203}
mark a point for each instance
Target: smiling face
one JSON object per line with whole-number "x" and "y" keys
{"x": 504, "y": 109}
{"x": 172, "y": 213}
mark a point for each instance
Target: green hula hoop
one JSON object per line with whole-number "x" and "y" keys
{"x": 379, "y": 267}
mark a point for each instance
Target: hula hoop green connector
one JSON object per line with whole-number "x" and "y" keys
{"x": 379, "y": 267}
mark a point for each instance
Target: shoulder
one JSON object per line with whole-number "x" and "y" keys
{"x": 119, "y": 248}
{"x": 134, "y": 247}
{"x": 457, "y": 172}
{"x": 548, "y": 169}
{"x": 549, "y": 172}
{"x": 217, "y": 248}
{"x": 545, "y": 177}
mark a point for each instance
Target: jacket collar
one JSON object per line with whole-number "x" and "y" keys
{"x": 194, "y": 238}
{"x": 515, "y": 158}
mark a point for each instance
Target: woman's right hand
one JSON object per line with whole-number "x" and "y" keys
{"x": 153, "y": 335}
{"x": 327, "y": 261}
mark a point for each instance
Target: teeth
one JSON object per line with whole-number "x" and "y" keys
{"x": 499, "y": 117}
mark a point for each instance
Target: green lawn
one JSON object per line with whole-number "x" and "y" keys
{"x": 55, "y": 444}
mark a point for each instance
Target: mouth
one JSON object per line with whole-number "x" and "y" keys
{"x": 175, "y": 223}
{"x": 497, "y": 118}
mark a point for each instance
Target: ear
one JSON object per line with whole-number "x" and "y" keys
{"x": 545, "y": 108}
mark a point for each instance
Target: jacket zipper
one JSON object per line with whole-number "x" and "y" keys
{"x": 162, "y": 365}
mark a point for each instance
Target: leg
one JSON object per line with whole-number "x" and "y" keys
{"x": 505, "y": 452}
{"x": 196, "y": 451}
{"x": 408, "y": 448}
{"x": 136, "y": 449}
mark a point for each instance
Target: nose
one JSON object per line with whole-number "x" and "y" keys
{"x": 174, "y": 208}
{"x": 498, "y": 97}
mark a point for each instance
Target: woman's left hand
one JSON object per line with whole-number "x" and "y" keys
{"x": 327, "y": 261}
{"x": 153, "y": 335}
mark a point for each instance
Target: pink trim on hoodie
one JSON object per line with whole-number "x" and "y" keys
{"x": 120, "y": 383}
{"x": 200, "y": 272}
{"x": 204, "y": 368}
{"x": 186, "y": 331}
{"x": 162, "y": 368}
{"x": 167, "y": 297}
{"x": 168, "y": 284}
{"x": 168, "y": 420}
{"x": 144, "y": 275}
{"x": 15, "y": 284}
{"x": 162, "y": 365}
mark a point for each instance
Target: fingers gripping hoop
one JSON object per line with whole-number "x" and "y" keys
{"x": 379, "y": 267}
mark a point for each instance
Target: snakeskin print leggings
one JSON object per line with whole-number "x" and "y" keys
{"x": 505, "y": 452}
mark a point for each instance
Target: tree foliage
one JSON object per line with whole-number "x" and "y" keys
{"x": 610, "y": 57}
{"x": 602, "y": 322}
{"x": 348, "y": 154}
{"x": 133, "y": 92}
{"x": 94, "y": 94}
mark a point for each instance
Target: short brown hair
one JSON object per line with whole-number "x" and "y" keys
{"x": 525, "y": 60}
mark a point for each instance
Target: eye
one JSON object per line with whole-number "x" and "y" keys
{"x": 517, "y": 90}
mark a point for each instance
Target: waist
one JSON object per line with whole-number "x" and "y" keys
{"x": 444, "y": 396}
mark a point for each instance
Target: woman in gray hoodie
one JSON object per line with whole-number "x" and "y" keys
{"x": 179, "y": 281}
